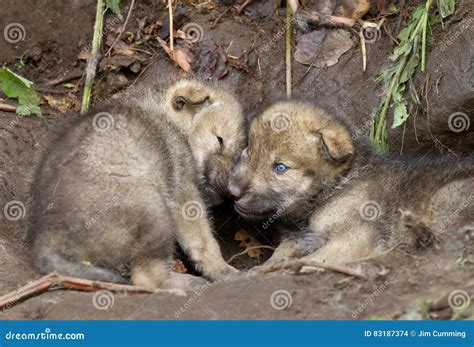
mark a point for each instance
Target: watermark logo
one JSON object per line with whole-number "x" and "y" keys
{"x": 103, "y": 300}
{"x": 371, "y": 33}
{"x": 370, "y": 211}
{"x": 193, "y": 31}
{"x": 14, "y": 33}
{"x": 103, "y": 122}
{"x": 458, "y": 122}
{"x": 281, "y": 299}
{"x": 280, "y": 122}
{"x": 459, "y": 300}
{"x": 192, "y": 210}
{"x": 14, "y": 210}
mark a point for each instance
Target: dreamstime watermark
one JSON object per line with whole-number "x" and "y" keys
{"x": 104, "y": 32}
{"x": 454, "y": 214}
{"x": 192, "y": 210}
{"x": 371, "y": 33}
{"x": 370, "y": 300}
{"x": 14, "y": 210}
{"x": 281, "y": 299}
{"x": 14, "y": 33}
{"x": 362, "y": 130}
{"x": 108, "y": 205}
{"x": 103, "y": 300}
{"x": 459, "y": 300}
{"x": 103, "y": 122}
{"x": 370, "y": 211}
{"x": 44, "y": 335}
{"x": 278, "y": 213}
{"x": 11, "y": 125}
{"x": 194, "y": 32}
{"x": 196, "y": 294}
{"x": 458, "y": 122}
{"x": 467, "y": 24}
{"x": 280, "y": 121}
{"x": 18, "y": 294}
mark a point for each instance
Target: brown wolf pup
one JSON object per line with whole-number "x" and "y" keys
{"x": 338, "y": 201}
{"x": 120, "y": 186}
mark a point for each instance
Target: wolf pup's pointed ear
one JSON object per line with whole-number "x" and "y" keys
{"x": 189, "y": 96}
{"x": 336, "y": 144}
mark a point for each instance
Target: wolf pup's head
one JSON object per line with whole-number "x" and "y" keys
{"x": 295, "y": 151}
{"x": 215, "y": 125}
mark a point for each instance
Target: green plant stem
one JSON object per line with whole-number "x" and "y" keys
{"x": 388, "y": 98}
{"x": 94, "y": 57}
{"x": 425, "y": 29}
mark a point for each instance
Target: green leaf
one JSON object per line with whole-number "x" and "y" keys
{"x": 114, "y": 6}
{"x": 446, "y": 7}
{"x": 403, "y": 49}
{"x": 400, "y": 112}
{"x": 392, "y": 8}
{"x": 68, "y": 85}
{"x": 15, "y": 86}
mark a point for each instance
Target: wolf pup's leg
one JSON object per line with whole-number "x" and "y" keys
{"x": 195, "y": 236}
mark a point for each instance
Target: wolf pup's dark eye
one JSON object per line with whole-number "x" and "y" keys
{"x": 280, "y": 168}
{"x": 221, "y": 142}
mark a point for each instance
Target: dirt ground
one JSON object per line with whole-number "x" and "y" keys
{"x": 403, "y": 284}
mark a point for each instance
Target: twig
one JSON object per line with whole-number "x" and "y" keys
{"x": 55, "y": 281}
{"x": 170, "y": 15}
{"x": 121, "y": 29}
{"x": 296, "y": 266}
{"x": 7, "y": 107}
{"x": 289, "y": 15}
{"x": 244, "y": 5}
{"x": 363, "y": 50}
{"x": 69, "y": 76}
{"x": 245, "y": 251}
{"x": 94, "y": 57}
{"x": 214, "y": 23}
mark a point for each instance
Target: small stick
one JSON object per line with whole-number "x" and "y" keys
{"x": 121, "y": 29}
{"x": 7, "y": 107}
{"x": 289, "y": 15}
{"x": 94, "y": 57}
{"x": 55, "y": 281}
{"x": 69, "y": 76}
{"x": 296, "y": 266}
{"x": 214, "y": 23}
{"x": 244, "y": 5}
{"x": 363, "y": 50}
{"x": 245, "y": 251}
{"x": 170, "y": 15}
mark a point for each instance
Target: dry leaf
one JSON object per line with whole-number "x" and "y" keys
{"x": 178, "y": 266}
{"x": 62, "y": 103}
{"x": 323, "y": 47}
{"x": 247, "y": 242}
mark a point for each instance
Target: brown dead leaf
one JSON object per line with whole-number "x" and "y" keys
{"x": 178, "y": 266}
{"x": 182, "y": 55}
{"x": 62, "y": 103}
{"x": 248, "y": 242}
{"x": 323, "y": 47}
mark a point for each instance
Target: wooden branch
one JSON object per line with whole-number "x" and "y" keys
{"x": 7, "y": 107}
{"x": 296, "y": 266}
{"x": 316, "y": 18}
{"x": 55, "y": 281}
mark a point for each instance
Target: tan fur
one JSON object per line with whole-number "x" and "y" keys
{"x": 121, "y": 196}
{"x": 327, "y": 197}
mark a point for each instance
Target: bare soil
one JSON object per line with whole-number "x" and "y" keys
{"x": 410, "y": 284}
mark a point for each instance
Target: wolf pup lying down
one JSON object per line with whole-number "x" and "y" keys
{"x": 338, "y": 201}
{"x": 121, "y": 186}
